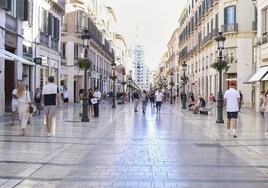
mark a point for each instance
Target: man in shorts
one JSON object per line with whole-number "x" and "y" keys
{"x": 231, "y": 100}
{"x": 51, "y": 98}
{"x": 158, "y": 100}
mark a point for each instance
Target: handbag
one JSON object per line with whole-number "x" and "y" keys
{"x": 32, "y": 108}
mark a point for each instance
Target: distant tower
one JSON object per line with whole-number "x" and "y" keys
{"x": 140, "y": 71}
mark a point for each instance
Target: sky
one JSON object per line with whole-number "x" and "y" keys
{"x": 155, "y": 21}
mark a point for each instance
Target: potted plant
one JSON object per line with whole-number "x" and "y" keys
{"x": 84, "y": 64}
{"x": 172, "y": 84}
{"x": 113, "y": 77}
{"x": 220, "y": 65}
{"x": 184, "y": 79}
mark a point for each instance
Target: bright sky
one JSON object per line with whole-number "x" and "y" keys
{"x": 156, "y": 20}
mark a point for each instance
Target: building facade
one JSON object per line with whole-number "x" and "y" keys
{"x": 99, "y": 20}
{"x": 260, "y": 78}
{"x": 42, "y": 39}
{"x": 13, "y": 67}
{"x": 200, "y": 23}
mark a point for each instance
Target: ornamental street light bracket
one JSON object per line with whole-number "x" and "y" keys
{"x": 171, "y": 85}
{"x": 86, "y": 42}
{"x": 184, "y": 78}
{"x": 113, "y": 78}
{"x": 220, "y": 39}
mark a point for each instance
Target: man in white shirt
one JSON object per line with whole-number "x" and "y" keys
{"x": 96, "y": 95}
{"x": 158, "y": 100}
{"x": 231, "y": 100}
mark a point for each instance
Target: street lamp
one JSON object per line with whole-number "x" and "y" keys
{"x": 171, "y": 85}
{"x": 184, "y": 80}
{"x": 113, "y": 78}
{"x": 86, "y": 42}
{"x": 220, "y": 39}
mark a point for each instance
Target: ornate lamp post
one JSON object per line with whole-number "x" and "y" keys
{"x": 86, "y": 42}
{"x": 113, "y": 78}
{"x": 220, "y": 39}
{"x": 171, "y": 85}
{"x": 184, "y": 79}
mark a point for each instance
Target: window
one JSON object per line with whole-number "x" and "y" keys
{"x": 230, "y": 55}
{"x": 229, "y": 15}
{"x": 63, "y": 50}
{"x": 265, "y": 20}
{"x": 76, "y": 51}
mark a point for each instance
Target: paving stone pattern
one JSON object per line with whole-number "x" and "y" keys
{"x": 123, "y": 148}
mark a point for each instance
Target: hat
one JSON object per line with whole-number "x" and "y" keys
{"x": 232, "y": 84}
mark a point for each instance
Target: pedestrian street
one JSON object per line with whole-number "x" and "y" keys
{"x": 123, "y": 148}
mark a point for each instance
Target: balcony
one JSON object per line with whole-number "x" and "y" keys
{"x": 215, "y": 32}
{"x": 207, "y": 38}
{"x": 63, "y": 61}
{"x": 264, "y": 38}
{"x": 44, "y": 39}
{"x": 64, "y": 27}
{"x": 80, "y": 29}
{"x": 55, "y": 44}
{"x": 11, "y": 23}
{"x": 230, "y": 27}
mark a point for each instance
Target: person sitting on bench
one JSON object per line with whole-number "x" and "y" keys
{"x": 201, "y": 102}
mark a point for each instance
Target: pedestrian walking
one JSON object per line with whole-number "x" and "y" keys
{"x": 65, "y": 96}
{"x": 14, "y": 104}
{"x": 24, "y": 99}
{"x": 97, "y": 96}
{"x": 144, "y": 100}
{"x": 152, "y": 100}
{"x": 136, "y": 98}
{"x": 158, "y": 100}
{"x": 241, "y": 101}
{"x": 263, "y": 103}
{"x": 231, "y": 100}
{"x": 90, "y": 105}
{"x": 81, "y": 96}
{"x": 37, "y": 101}
{"x": 51, "y": 98}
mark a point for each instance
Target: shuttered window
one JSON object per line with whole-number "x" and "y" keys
{"x": 20, "y": 9}
{"x": 4, "y": 4}
{"x": 265, "y": 20}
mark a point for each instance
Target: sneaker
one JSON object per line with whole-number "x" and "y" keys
{"x": 235, "y": 136}
{"x": 12, "y": 123}
{"x": 49, "y": 134}
{"x": 135, "y": 110}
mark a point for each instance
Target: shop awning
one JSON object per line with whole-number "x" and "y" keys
{"x": 259, "y": 74}
{"x": 3, "y": 56}
{"x": 16, "y": 57}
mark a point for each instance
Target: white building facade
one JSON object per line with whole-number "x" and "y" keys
{"x": 99, "y": 20}
{"x": 13, "y": 67}
{"x": 200, "y": 23}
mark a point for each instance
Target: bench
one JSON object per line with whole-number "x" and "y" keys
{"x": 204, "y": 111}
